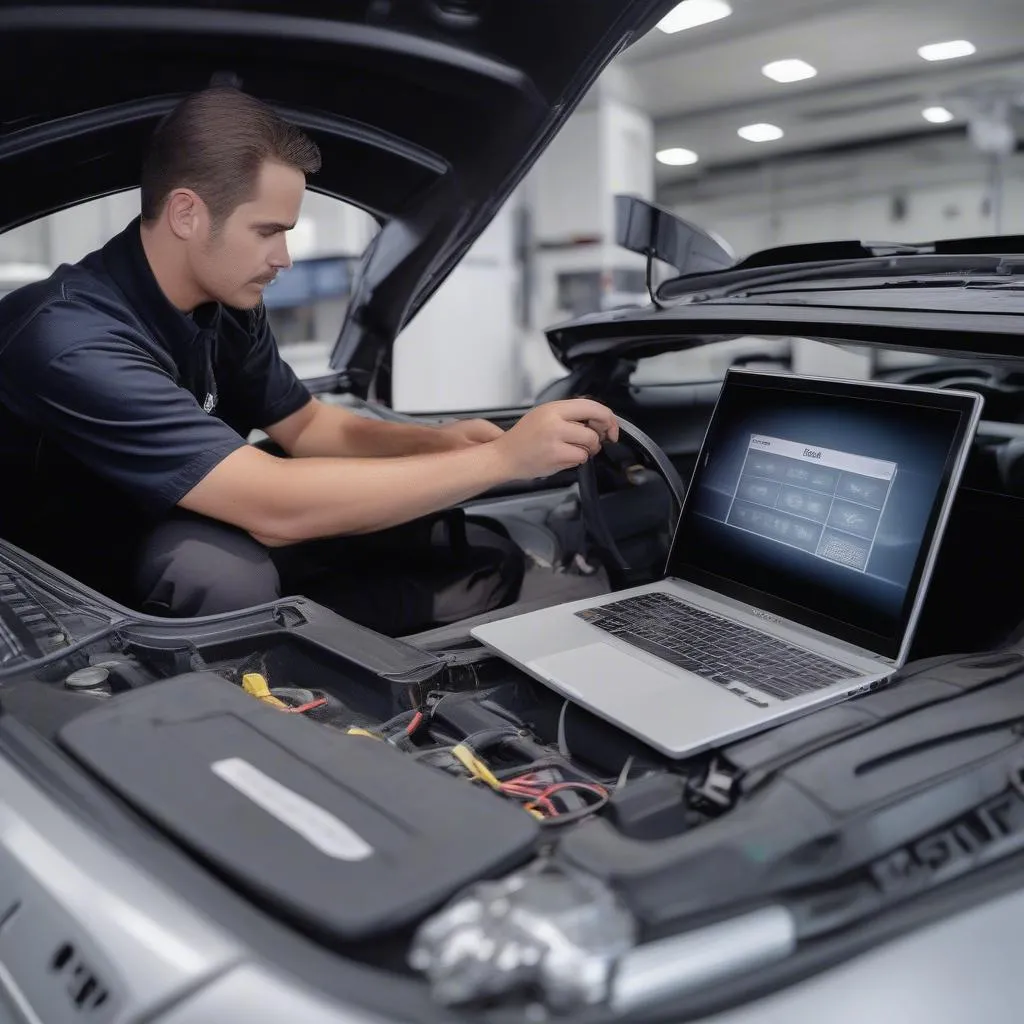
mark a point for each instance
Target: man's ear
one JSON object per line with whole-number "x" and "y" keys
{"x": 183, "y": 211}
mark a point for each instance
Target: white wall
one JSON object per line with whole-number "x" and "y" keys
{"x": 67, "y": 236}
{"x": 604, "y": 149}
{"x": 24, "y": 245}
{"x": 460, "y": 351}
{"x": 328, "y": 227}
{"x": 565, "y": 185}
{"x": 944, "y": 190}
{"x": 627, "y": 143}
{"x": 953, "y": 211}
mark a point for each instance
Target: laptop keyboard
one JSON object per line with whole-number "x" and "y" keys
{"x": 725, "y": 652}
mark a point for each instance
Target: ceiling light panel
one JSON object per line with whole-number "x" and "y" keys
{"x": 691, "y": 13}
{"x": 760, "y": 132}
{"x": 947, "y": 51}
{"x": 790, "y": 70}
{"x": 676, "y": 157}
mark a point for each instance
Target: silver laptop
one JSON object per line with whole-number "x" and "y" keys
{"x": 797, "y": 573}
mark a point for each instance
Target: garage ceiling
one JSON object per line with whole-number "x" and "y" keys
{"x": 703, "y": 84}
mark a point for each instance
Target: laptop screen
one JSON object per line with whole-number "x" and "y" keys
{"x": 819, "y": 501}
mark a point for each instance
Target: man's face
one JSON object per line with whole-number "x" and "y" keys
{"x": 235, "y": 262}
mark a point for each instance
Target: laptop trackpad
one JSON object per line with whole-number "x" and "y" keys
{"x": 602, "y": 674}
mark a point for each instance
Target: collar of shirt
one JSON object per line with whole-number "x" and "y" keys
{"x": 127, "y": 264}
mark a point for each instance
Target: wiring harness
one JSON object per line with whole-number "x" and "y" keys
{"x": 504, "y": 758}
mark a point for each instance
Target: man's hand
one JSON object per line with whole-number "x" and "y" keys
{"x": 556, "y": 436}
{"x": 466, "y": 433}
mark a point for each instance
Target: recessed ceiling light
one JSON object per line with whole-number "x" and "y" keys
{"x": 676, "y": 157}
{"x": 789, "y": 70}
{"x": 937, "y": 115}
{"x": 947, "y": 51}
{"x": 760, "y": 132}
{"x": 691, "y": 13}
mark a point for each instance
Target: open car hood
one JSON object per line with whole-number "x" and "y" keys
{"x": 427, "y": 112}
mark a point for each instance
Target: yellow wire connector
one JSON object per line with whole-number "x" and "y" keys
{"x": 356, "y": 730}
{"x": 256, "y": 686}
{"x": 475, "y": 766}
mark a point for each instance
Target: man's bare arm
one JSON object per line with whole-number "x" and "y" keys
{"x": 320, "y": 429}
{"x": 282, "y": 501}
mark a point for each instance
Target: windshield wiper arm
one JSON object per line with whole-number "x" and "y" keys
{"x": 945, "y": 281}
{"x": 724, "y": 283}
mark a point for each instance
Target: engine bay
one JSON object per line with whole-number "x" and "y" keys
{"x": 439, "y": 815}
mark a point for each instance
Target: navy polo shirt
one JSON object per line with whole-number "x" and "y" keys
{"x": 114, "y": 404}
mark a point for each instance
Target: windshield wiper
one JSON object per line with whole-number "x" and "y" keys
{"x": 874, "y": 284}
{"x": 956, "y": 269}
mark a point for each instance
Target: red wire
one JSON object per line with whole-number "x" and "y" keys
{"x": 415, "y": 723}
{"x": 538, "y": 793}
{"x": 529, "y": 791}
{"x": 307, "y": 707}
{"x": 544, "y": 804}
{"x": 558, "y": 786}
{"x": 529, "y": 779}
{"x": 532, "y": 795}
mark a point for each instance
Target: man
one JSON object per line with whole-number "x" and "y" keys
{"x": 130, "y": 381}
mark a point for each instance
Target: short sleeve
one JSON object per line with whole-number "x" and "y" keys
{"x": 266, "y": 389}
{"x": 110, "y": 405}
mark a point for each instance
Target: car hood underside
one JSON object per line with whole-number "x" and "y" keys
{"x": 427, "y": 113}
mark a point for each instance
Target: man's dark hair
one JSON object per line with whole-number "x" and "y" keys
{"x": 214, "y": 142}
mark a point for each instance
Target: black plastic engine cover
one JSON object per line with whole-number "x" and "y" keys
{"x": 343, "y": 836}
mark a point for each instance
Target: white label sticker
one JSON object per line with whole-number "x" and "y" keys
{"x": 330, "y": 835}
